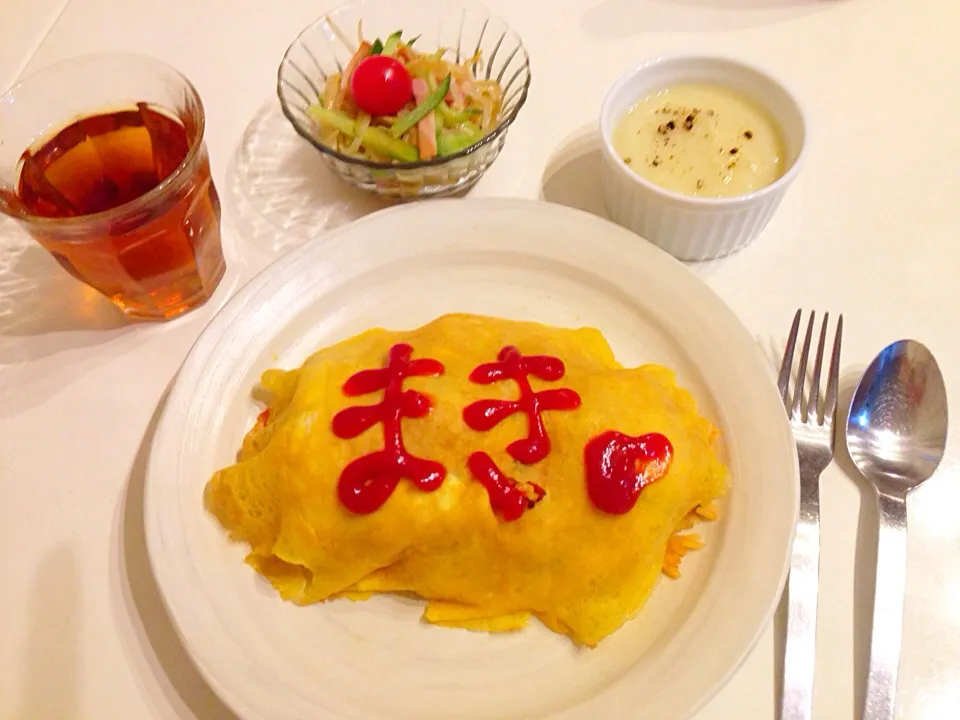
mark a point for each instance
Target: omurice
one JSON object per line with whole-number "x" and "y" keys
{"x": 501, "y": 470}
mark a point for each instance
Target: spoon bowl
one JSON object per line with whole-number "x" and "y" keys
{"x": 896, "y": 436}
{"x": 897, "y": 427}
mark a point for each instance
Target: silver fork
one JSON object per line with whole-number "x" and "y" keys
{"x": 812, "y": 423}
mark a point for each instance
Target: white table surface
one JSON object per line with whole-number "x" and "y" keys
{"x": 870, "y": 228}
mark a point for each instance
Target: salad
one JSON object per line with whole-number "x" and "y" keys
{"x": 393, "y": 103}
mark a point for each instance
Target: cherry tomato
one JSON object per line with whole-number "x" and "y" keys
{"x": 381, "y": 85}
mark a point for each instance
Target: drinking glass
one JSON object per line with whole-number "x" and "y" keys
{"x": 103, "y": 163}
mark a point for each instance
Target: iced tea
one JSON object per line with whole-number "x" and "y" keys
{"x": 123, "y": 199}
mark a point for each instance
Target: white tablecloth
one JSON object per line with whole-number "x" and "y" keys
{"x": 871, "y": 228}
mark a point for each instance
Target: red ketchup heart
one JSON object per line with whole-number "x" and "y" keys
{"x": 619, "y": 466}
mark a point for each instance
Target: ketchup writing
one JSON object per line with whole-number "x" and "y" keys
{"x": 367, "y": 482}
{"x": 511, "y": 365}
{"x": 619, "y": 466}
{"x": 507, "y": 497}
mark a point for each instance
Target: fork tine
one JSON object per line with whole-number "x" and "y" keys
{"x": 784, "y": 380}
{"x": 813, "y": 404}
{"x": 830, "y": 402}
{"x": 801, "y": 375}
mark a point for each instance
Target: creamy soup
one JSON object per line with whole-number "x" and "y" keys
{"x": 705, "y": 140}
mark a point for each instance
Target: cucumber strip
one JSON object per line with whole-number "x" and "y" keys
{"x": 393, "y": 40}
{"x": 378, "y": 139}
{"x": 421, "y": 110}
{"x": 336, "y": 120}
{"x": 373, "y": 137}
{"x": 452, "y": 143}
{"x": 455, "y": 117}
{"x": 377, "y": 47}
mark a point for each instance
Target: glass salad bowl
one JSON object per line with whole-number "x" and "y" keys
{"x": 473, "y": 37}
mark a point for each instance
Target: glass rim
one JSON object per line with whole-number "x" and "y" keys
{"x": 163, "y": 187}
{"x": 504, "y": 124}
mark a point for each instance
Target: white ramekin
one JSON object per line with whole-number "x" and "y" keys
{"x": 693, "y": 228}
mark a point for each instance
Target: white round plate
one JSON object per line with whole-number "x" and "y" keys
{"x": 399, "y": 269}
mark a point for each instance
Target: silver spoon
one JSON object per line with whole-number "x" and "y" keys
{"x": 896, "y": 433}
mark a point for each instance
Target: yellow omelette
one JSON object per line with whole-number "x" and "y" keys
{"x": 321, "y": 522}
